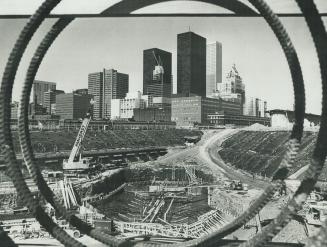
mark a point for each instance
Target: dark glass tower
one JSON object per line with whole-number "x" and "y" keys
{"x": 157, "y": 73}
{"x": 191, "y": 64}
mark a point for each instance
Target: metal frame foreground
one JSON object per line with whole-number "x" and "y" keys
{"x": 318, "y": 32}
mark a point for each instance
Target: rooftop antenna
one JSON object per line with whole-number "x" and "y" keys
{"x": 189, "y": 28}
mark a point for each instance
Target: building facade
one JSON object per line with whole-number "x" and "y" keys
{"x": 81, "y": 91}
{"x": 39, "y": 88}
{"x": 115, "y": 86}
{"x": 72, "y": 105}
{"x": 233, "y": 85}
{"x": 105, "y": 86}
{"x": 255, "y": 107}
{"x": 152, "y": 114}
{"x": 187, "y": 111}
{"x": 223, "y": 118}
{"x": 50, "y": 99}
{"x": 123, "y": 108}
{"x": 213, "y": 68}
{"x": 191, "y": 64}
{"x": 157, "y": 73}
{"x": 95, "y": 88}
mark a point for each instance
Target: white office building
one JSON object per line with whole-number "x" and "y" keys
{"x": 213, "y": 67}
{"x": 123, "y": 108}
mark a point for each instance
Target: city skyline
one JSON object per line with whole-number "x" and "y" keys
{"x": 262, "y": 77}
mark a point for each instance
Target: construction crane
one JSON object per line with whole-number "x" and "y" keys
{"x": 158, "y": 69}
{"x": 81, "y": 164}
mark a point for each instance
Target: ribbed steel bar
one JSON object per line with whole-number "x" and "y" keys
{"x": 318, "y": 32}
{"x": 13, "y": 169}
{"x": 26, "y": 146}
{"x": 319, "y": 36}
{"x": 295, "y": 138}
{"x": 292, "y": 145}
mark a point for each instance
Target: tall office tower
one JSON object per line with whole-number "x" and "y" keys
{"x": 157, "y": 77}
{"x": 214, "y": 67}
{"x": 95, "y": 88}
{"x": 39, "y": 88}
{"x": 115, "y": 86}
{"x": 105, "y": 86}
{"x": 191, "y": 64}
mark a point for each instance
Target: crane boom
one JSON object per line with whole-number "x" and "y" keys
{"x": 70, "y": 164}
{"x": 155, "y": 57}
{"x": 79, "y": 138}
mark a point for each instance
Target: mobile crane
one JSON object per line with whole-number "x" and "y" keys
{"x": 81, "y": 164}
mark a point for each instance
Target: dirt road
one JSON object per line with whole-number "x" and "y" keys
{"x": 209, "y": 152}
{"x": 205, "y": 154}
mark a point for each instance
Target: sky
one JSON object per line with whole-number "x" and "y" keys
{"x": 91, "y": 44}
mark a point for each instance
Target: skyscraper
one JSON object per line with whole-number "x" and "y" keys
{"x": 115, "y": 86}
{"x": 157, "y": 77}
{"x": 214, "y": 67}
{"x": 104, "y": 86}
{"x": 39, "y": 88}
{"x": 95, "y": 88}
{"x": 191, "y": 64}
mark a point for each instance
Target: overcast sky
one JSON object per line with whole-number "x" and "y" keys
{"x": 89, "y": 45}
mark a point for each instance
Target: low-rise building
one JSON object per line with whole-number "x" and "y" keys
{"x": 152, "y": 114}
{"x": 286, "y": 118}
{"x": 187, "y": 111}
{"x": 255, "y": 107}
{"x": 223, "y": 118}
{"x": 123, "y": 108}
{"x": 72, "y": 105}
{"x": 49, "y": 98}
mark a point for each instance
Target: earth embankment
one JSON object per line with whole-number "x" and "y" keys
{"x": 62, "y": 140}
{"x": 260, "y": 152}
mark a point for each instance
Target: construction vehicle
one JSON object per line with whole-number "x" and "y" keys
{"x": 317, "y": 213}
{"x": 236, "y": 185}
{"x": 82, "y": 164}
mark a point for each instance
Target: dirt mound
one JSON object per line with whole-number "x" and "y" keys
{"x": 257, "y": 127}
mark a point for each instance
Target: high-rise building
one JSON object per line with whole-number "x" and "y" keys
{"x": 72, "y": 105}
{"x": 39, "y": 88}
{"x": 105, "y": 86}
{"x": 191, "y": 64}
{"x": 214, "y": 67}
{"x": 49, "y": 98}
{"x": 157, "y": 75}
{"x": 95, "y": 88}
{"x": 115, "y": 86}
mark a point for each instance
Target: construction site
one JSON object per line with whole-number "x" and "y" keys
{"x": 185, "y": 193}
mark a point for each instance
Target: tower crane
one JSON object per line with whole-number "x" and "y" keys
{"x": 158, "y": 69}
{"x": 81, "y": 164}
